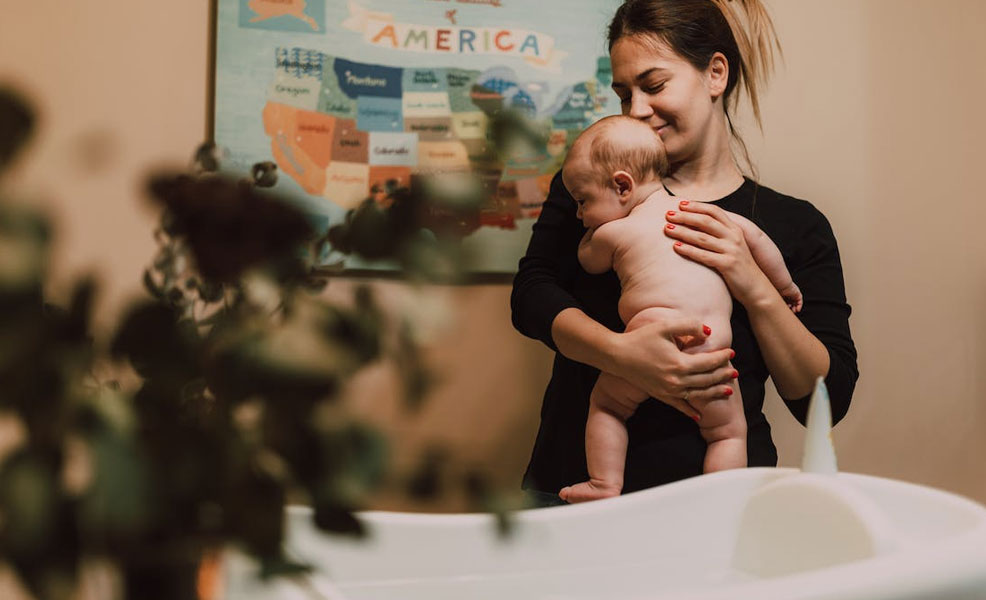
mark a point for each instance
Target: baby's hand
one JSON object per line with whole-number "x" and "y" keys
{"x": 792, "y": 296}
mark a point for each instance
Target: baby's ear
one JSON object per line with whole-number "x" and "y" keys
{"x": 624, "y": 184}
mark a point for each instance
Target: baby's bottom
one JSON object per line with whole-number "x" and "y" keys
{"x": 613, "y": 401}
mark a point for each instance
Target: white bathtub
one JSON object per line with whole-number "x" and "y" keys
{"x": 675, "y": 541}
{"x": 763, "y": 534}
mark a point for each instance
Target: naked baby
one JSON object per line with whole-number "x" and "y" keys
{"x": 614, "y": 171}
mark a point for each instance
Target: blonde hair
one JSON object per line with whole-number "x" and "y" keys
{"x": 756, "y": 39}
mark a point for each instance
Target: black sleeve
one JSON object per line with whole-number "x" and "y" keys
{"x": 538, "y": 293}
{"x": 817, "y": 269}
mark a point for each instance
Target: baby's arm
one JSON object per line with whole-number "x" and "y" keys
{"x": 769, "y": 259}
{"x": 596, "y": 249}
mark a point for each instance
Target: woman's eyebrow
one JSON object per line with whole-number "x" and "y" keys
{"x": 640, "y": 76}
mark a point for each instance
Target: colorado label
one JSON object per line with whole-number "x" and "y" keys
{"x": 393, "y": 149}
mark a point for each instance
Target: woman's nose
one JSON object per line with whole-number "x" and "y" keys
{"x": 639, "y": 108}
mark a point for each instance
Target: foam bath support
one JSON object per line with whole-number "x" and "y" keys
{"x": 744, "y": 534}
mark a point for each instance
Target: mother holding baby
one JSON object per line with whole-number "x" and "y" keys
{"x": 679, "y": 66}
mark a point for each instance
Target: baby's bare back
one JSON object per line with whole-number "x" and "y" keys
{"x": 653, "y": 275}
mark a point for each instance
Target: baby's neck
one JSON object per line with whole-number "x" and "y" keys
{"x": 646, "y": 191}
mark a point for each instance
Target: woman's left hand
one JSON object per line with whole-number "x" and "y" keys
{"x": 703, "y": 232}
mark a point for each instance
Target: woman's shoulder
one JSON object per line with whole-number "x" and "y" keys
{"x": 790, "y": 221}
{"x": 773, "y": 204}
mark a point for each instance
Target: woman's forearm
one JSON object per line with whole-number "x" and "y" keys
{"x": 793, "y": 355}
{"x": 581, "y": 338}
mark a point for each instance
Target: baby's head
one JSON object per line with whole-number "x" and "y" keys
{"x": 608, "y": 166}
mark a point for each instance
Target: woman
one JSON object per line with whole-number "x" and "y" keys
{"x": 677, "y": 65}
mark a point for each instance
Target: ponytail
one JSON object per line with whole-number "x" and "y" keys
{"x": 756, "y": 41}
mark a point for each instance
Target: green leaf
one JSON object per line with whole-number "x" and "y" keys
{"x": 117, "y": 502}
{"x": 28, "y": 502}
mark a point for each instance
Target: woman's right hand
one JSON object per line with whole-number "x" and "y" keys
{"x": 651, "y": 357}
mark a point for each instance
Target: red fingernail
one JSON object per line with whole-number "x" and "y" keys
{"x": 732, "y": 354}
{"x": 670, "y": 213}
{"x": 677, "y": 243}
{"x": 670, "y": 226}
{"x": 735, "y": 373}
{"x": 695, "y": 418}
{"x": 683, "y": 203}
{"x": 729, "y": 391}
{"x": 706, "y": 330}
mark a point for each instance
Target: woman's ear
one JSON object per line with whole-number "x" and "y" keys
{"x": 624, "y": 184}
{"x": 718, "y": 75}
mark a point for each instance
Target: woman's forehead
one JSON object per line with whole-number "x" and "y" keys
{"x": 636, "y": 57}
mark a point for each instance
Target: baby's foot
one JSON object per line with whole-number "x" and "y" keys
{"x": 587, "y": 491}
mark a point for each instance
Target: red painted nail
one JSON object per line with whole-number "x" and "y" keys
{"x": 729, "y": 391}
{"x": 677, "y": 243}
{"x": 706, "y": 330}
{"x": 670, "y": 226}
{"x": 695, "y": 418}
{"x": 670, "y": 213}
{"x": 683, "y": 203}
{"x": 735, "y": 373}
{"x": 732, "y": 354}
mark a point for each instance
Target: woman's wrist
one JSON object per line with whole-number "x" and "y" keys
{"x": 611, "y": 352}
{"x": 762, "y": 296}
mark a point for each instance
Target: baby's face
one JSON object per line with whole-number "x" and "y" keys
{"x": 597, "y": 203}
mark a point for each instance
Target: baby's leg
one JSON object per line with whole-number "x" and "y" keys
{"x": 612, "y": 402}
{"x": 723, "y": 424}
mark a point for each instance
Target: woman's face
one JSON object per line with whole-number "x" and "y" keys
{"x": 662, "y": 89}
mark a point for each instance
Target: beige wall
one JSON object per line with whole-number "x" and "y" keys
{"x": 875, "y": 117}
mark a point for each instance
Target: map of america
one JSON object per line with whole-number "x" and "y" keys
{"x": 342, "y": 129}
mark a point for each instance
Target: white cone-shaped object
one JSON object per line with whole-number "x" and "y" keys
{"x": 819, "y": 454}
{"x": 813, "y": 519}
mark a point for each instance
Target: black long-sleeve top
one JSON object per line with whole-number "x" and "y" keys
{"x": 665, "y": 445}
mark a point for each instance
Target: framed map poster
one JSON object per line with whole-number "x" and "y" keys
{"x": 345, "y": 95}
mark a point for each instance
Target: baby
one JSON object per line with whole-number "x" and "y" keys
{"x": 614, "y": 172}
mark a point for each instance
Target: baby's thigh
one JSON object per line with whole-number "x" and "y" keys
{"x": 616, "y": 395}
{"x": 652, "y": 315}
{"x": 721, "y": 336}
{"x": 722, "y": 332}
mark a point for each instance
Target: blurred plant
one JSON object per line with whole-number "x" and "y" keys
{"x": 240, "y": 365}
